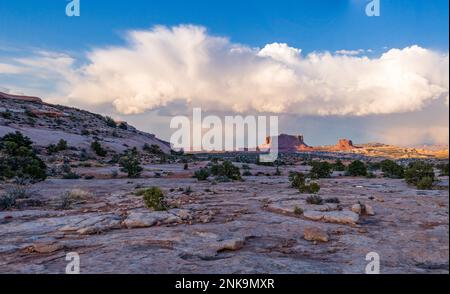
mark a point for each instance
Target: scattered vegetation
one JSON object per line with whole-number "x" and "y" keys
{"x": 9, "y": 198}
{"x": 298, "y": 181}
{"x": 321, "y": 169}
{"x": 339, "y": 166}
{"x": 110, "y": 122}
{"x": 153, "y": 198}
{"x": 226, "y": 170}
{"x": 202, "y": 174}
{"x": 18, "y": 159}
{"x": 443, "y": 168}
{"x": 357, "y": 168}
{"x": 130, "y": 163}
{"x": 391, "y": 169}
{"x": 420, "y": 174}
{"x": 298, "y": 210}
{"x": 98, "y": 149}
{"x": 61, "y": 146}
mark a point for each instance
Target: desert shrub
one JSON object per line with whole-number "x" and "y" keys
{"x": 370, "y": 175}
{"x": 153, "y": 198}
{"x": 247, "y": 173}
{"x": 391, "y": 169}
{"x": 443, "y": 168}
{"x": 98, "y": 149}
{"x": 7, "y": 201}
{"x": 420, "y": 172}
{"x": 110, "y": 122}
{"x": 123, "y": 126}
{"x": 332, "y": 200}
{"x": 18, "y": 159}
{"x": 277, "y": 172}
{"x": 30, "y": 113}
{"x": 226, "y": 170}
{"x": 311, "y": 188}
{"x": 62, "y": 145}
{"x": 71, "y": 176}
{"x": 321, "y": 169}
{"x": 314, "y": 199}
{"x": 152, "y": 149}
{"x": 298, "y": 210}
{"x": 357, "y": 168}
{"x": 85, "y": 132}
{"x": 6, "y": 114}
{"x": 130, "y": 163}
{"x": 186, "y": 166}
{"x": 202, "y": 174}
{"x": 425, "y": 183}
{"x": 338, "y": 165}
{"x": 296, "y": 179}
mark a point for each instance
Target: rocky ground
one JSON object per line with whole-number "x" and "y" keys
{"x": 252, "y": 226}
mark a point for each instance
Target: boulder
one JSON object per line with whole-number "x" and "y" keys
{"x": 357, "y": 208}
{"x": 340, "y": 217}
{"x": 148, "y": 219}
{"x": 315, "y": 234}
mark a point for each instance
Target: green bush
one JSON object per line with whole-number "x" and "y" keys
{"x": 152, "y": 149}
{"x": 247, "y": 173}
{"x": 443, "y": 168}
{"x": 391, "y": 169}
{"x": 18, "y": 159}
{"x": 298, "y": 210}
{"x": 338, "y": 165}
{"x": 226, "y": 170}
{"x": 357, "y": 168}
{"x": 311, "y": 188}
{"x": 321, "y": 169}
{"x": 62, "y": 145}
{"x": 153, "y": 198}
{"x": 420, "y": 172}
{"x": 297, "y": 179}
{"x": 202, "y": 174}
{"x": 110, "y": 122}
{"x": 425, "y": 183}
{"x": 98, "y": 149}
{"x": 130, "y": 163}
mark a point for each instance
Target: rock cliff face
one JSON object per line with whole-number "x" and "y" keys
{"x": 20, "y": 98}
{"x": 287, "y": 143}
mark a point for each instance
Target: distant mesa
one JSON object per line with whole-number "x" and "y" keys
{"x": 345, "y": 145}
{"x": 287, "y": 143}
{"x": 20, "y": 97}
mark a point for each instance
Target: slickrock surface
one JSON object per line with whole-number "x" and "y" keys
{"x": 235, "y": 227}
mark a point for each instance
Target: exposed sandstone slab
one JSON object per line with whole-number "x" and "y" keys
{"x": 340, "y": 217}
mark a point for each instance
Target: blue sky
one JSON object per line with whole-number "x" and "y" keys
{"x": 310, "y": 25}
{"x": 391, "y": 91}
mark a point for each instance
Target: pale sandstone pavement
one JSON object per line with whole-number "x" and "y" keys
{"x": 239, "y": 227}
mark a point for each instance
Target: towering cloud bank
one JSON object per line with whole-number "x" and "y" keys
{"x": 162, "y": 65}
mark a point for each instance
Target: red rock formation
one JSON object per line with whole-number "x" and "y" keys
{"x": 18, "y": 97}
{"x": 344, "y": 145}
{"x": 287, "y": 143}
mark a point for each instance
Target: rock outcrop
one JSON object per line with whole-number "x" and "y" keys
{"x": 287, "y": 143}
{"x": 20, "y": 97}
